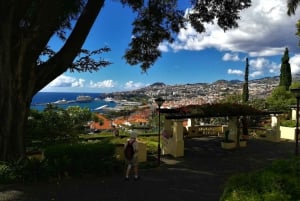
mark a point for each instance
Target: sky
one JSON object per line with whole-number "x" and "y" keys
{"x": 264, "y": 31}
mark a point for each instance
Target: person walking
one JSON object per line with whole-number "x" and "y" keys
{"x": 131, "y": 156}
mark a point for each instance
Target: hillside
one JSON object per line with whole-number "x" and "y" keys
{"x": 207, "y": 92}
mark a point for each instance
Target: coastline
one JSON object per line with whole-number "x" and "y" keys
{"x": 66, "y": 99}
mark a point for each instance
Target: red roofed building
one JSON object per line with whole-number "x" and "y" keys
{"x": 103, "y": 124}
{"x": 140, "y": 118}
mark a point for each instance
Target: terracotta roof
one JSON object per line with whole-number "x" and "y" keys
{"x": 137, "y": 117}
{"x": 107, "y": 124}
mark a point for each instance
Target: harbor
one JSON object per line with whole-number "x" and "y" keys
{"x": 93, "y": 101}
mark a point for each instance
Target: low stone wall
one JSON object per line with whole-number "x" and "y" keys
{"x": 208, "y": 130}
{"x": 287, "y": 133}
{"x": 274, "y": 135}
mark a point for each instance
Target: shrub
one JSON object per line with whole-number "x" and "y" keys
{"x": 75, "y": 159}
{"x": 27, "y": 170}
{"x": 79, "y": 159}
{"x": 279, "y": 182}
{"x": 6, "y": 173}
{"x": 288, "y": 123}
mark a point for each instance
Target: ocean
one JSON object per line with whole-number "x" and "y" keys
{"x": 41, "y": 99}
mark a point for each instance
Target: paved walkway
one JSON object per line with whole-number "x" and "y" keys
{"x": 200, "y": 175}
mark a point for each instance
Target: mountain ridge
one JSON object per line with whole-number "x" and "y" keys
{"x": 220, "y": 81}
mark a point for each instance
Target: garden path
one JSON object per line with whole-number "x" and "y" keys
{"x": 198, "y": 176}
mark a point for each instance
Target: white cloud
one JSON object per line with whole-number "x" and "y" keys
{"x": 264, "y": 30}
{"x": 163, "y": 47}
{"x": 78, "y": 83}
{"x": 103, "y": 84}
{"x": 231, "y": 57}
{"x": 274, "y": 68}
{"x": 267, "y": 52}
{"x": 261, "y": 65}
{"x": 255, "y": 74}
{"x": 235, "y": 72}
{"x": 66, "y": 81}
{"x": 130, "y": 85}
{"x": 295, "y": 64}
{"x": 258, "y": 63}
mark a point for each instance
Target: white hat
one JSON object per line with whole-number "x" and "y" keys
{"x": 133, "y": 134}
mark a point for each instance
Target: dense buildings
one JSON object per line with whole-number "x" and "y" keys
{"x": 201, "y": 93}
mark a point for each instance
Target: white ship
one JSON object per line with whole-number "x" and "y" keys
{"x": 60, "y": 102}
{"x": 83, "y": 99}
{"x": 109, "y": 99}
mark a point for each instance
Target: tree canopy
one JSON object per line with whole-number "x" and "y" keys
{"x": 292, "y": 6}
{"x": 280, "y": 99}
{"x": 158, "y": 20}
{"x": 285, "y": 71}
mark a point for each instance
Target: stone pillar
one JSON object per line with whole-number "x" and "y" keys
{"x": 174, "y": 145}
{"x": 233, "y": 127}
{"x": 274, "y": 120}
{"x": 191, "y": 127}
{"x": 168, "y": 125}
{"x": 178, "y": 130}
{"x": 275, "y": 125}
{"x": 142, "y": 153}
{"x": 294, "y": 111}
{"x": 168, "y": 128}
{"x": 178, "y": 142}
{"x": 191, "y": 122}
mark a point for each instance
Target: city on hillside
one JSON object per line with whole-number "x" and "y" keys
{"x": 201, "y": 93}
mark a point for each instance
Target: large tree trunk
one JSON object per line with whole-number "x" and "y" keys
{"x": 14, "y": 111}
{"x": 17, "y": 83}
{"x": 21, "y": 77}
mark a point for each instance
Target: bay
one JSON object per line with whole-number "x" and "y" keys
{"x": 41, "y": 99}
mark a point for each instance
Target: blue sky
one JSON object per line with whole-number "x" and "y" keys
{"x": 264, "y": 32}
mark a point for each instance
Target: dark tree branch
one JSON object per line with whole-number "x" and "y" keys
{"x": 59, "y": 63}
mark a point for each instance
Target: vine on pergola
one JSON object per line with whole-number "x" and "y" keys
{"x": 213, "y": 110}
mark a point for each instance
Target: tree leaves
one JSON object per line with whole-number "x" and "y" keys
{"x": 158, "y": 21}
{"x": 87, "y": 62}
{"x": 213, "y": 110}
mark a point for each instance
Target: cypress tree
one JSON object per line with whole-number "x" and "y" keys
{"x": 285, "y": 71}
{"x": 245, "y": 98}
{"x": 245, "y": 85}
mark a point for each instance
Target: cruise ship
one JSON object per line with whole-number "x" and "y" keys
{"x": 109, "y": 99}
{"x": 84, "y": 99}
